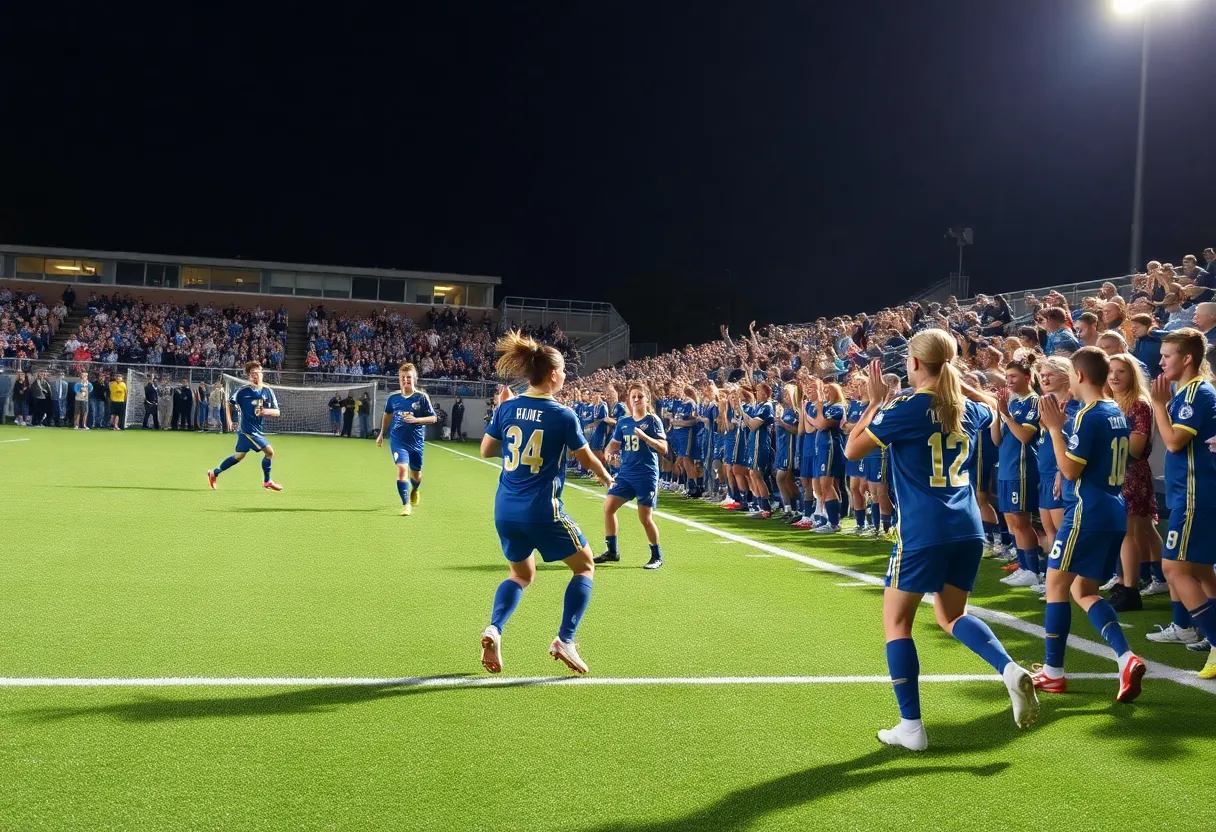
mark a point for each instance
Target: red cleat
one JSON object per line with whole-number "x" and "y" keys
{"x": 1130, "y": 680}
{"x": 1010, "y": 567}
{"x": 271, "y": 485}
{"x": 211, "y": 478}
{"x": 1047, "y": 684}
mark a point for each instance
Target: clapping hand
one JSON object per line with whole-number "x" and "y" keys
{"x": 1002, "y": 401}
{"x": 1051, "y": 414}
{"x": 1161, "y": 391}
{"x": 874, "y": 383}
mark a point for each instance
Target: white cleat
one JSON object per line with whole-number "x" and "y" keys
{"x": 1109, "y": 585}
{"x": 1021, "y": 693}
{"x": 909, "y": 735}
{"x": 1022, "y": 577}
{"x": 1156, "y": 588}
{"x": 1173, "y": 634}
{"x": 1040, "y": 588}
{"x": 491, "y": 649}
{"x": 826, "y": 529}
{"x": 567, "y": 653}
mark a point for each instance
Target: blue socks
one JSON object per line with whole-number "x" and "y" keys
{"x": 1023, "y": 561}
{"x": 1059, "y": 620}
{"x": 860, "y": 516}
{"x": 1205, "y": 619}
{"x": 833, "y": 509}
{"x": 265, "y": 469}
{"x": 654, "y": 551}
{"x": 1156, "y": 572}
{"x": 1102, "y": 615}
{"x": 415, "y": 485}
{"x": 506, "y": 599}
{"x": 979, "y": 639}
{"x": 875, "y": 514}
{"x": 578, "y": 596}
{"x": 1182, "y": 616}
{"x": 904, "y": 667}
{"x": 1146, "y": 571}
{"x": 403, "y": 488}
{"x": 1035, "y": 561}
{"x": 226, "y": 464}
{"x": 611, "y": 541}
{"x": 886, "y": 522}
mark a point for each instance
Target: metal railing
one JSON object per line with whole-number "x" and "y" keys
{"x": 1074, "y": 292}
{"x": 608, "y": 349}
{"x": 573, "y": 316}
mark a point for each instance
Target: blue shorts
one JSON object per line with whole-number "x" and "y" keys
{"x": 1092, "y": 555}
{"x": 806, "y": 461}
{"x": 1047, "y": 495}
{"x": 783, "y": 459}
{"x": 555, "y": 539}
{"x": 928, "y": 570}
{"x": 335, "y": 417}
{"x": 719, "y": 446}
{"x": 988, "y": 480}
{"x": 728, "y": 448}
{"x": 596, "y": 441}
{"x": 246, "y": 442}
{"x": 700, "y": 444}
{"x": 829, "y": 462}
{"x": 875, "y": 466}
{"x": 645, "y": 492}
{"x": 1011, "y": 500}
{"x": 403, "y": 455}
{"x": 855, "y": 469}
{"x": 680, "y": 443}
{"x": 761, "y": 456}
{"x": 1191, "y": 537}
{"x": 743, "y": 454}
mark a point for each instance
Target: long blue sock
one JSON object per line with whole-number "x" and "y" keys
{"x": 980, "y": 640}
{"x": 655, "y": 552}
{"x": 578, "y": 596}
{"x": 403, "y": 489}
{"x": 875, "y": 514}
{"x": 1205, "y": 619}
{"x": 506, "y": 599}
{"x": 265, "y": 469}
{"x": 860, "y": 516}
{"x": 833, "y": 509}
{"x": 1035, "y": 560}
{"x": 611, "y": 541}
{"x": 1058, "y": 623}
{"x": 1146, "y": 571}
{"x": 904, "y": 667}
{"x": 415, "y": 485}
{"x": 226, "y": 464}
{"x": 1023, "y": 561}
{"x": 1106, "y": 621}
{"x": 1155, "y": 571}
{"x": 886, "y": 522}
{"x": 1182, "y": 616}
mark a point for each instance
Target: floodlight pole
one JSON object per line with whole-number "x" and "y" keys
{"x": 1135, "y": 263}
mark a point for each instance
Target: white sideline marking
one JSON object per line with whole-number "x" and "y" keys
{"x": 7, "y": 441}
{"x": 854, "y": 583}
{"x": 484, "y": 681}
{"x": 759, "y": 556}
{"x": 1164, "y": 671}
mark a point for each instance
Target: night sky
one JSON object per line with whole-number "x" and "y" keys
{"x": 783, "y": 159}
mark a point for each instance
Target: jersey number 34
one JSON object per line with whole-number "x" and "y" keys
{"x": 518, "y": 451}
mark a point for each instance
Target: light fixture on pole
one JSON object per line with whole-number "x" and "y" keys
{"x": 962, "y": 237}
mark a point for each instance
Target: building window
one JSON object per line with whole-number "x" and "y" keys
{"x": 310, "y": 285}
{"x": 163, "y": 276}
{"x": 337, "y": 286}
{"x": 364, "y": 288}
{"x": 88, "y": 271}
{"x": 453, "y": 294}
{"x": 195, "y": 277}
{"x": 129, "y": 274}
{"x": 392, "y": 291}
{"x": 30, "y": 267}
{"x": 236, "y": 280}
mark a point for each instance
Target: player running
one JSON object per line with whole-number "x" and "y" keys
{"x": 253, "y": 402}
{"x": 930, "y": 436}
{"x": 640, "y": 439}
{"x": 532, "y": 434}
{"x": 1091, "y": 451}
{"x": 406, "y": 415}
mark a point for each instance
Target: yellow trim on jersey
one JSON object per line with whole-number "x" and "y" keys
{"x": 877, "y": 441}
{"x": 523, "y": 395}
{"x": 1075, "y": 532}
{"x": 570, "y": 530}
{"x": 1075, "y": 458}
{"x": 1190, "y": 388}
{"x": 1186, "y": 428}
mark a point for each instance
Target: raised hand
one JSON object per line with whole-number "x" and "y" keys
{"x": 1051, "y": 414}
{"x": 1161, "y": 391}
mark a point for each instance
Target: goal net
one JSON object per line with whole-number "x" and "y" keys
{"x": 306, "y": 409}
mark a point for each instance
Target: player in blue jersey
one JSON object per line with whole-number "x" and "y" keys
{"x": 715, "y": 401}
{"x": 683, "y": 420}
{"x": 1186, "y": 421}
{"x": 616, "y": 410}
{"x": 930, "y": 437}
{"x": 828, "y": 400}
{"x": 532, "y": 434}
{"x": 1055, "y": 378}
{"x": 878, "y": 473}
{"x": 728, "y": 424}
{"x": 253, "y": 402}
{"x": 807, "y": 413}
{"x": 984, "y": 477}
{"x": 406, "y": 415}
{"x": 785, "y": 463}
{"x": 1016, "y": 435}
{"x": 1091, "y": 450}
{"x": 855, "y": 470}
{"x": 760, "y": 453}
{"x": 640, "y": 440}
{"x": 597, "y": 430}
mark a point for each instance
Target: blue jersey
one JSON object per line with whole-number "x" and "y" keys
{"x": 537, "y": 433}
{"x": 1046, "y": 453}
{"x": 1019, "y": 461}
{"x": 403, "y": 434}
{"x": 619, "y": 411}
{"x": 786, "y": 439}
{"x": 929, "y": 469}
{"x": 1190, "y": 474}
{"x": 854, "y": 410}
{"x": 831, "y": 438}
{"x": 599, "y": 433}
{"x": 249, "y": 404}
{"x": 639, "y": 461}
{"x": 1098, "y": 439}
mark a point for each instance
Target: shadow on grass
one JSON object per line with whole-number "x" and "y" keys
{"x": 500, "y": 566}
{"x": 132, "y": 488}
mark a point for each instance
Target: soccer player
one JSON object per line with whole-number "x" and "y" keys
{"x": 878, "y": 473}
{"x": 786, "y": 462}
{"x": 532, "y": 434}
{"x": 406, "y": 415}
{"x": 929, "y": 436}
{"x": 1186, "y": 421}
{"x": 1091, "y": 451}
{"x": 760, "y": 458}
{"x": 598, "y": 429}
{"x": 640, "y": 439}
{"x": 855, "y": 471}
{"x": 1018, "y": 467}
{"x": 828, "y": 400}
{"x": 1055, "y": 374}
{"x": 253, "y": 403}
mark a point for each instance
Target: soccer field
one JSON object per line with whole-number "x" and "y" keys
{"x": 309, "y": 660}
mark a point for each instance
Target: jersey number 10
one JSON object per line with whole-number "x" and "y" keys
{"x": 1118, "y": 461}
{"x": 958, "y": 477}
{"x": 530, "y": 455}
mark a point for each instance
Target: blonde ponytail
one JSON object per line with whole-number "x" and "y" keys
{"x": 521, "y": 357}
{"x": 936, "y": 351}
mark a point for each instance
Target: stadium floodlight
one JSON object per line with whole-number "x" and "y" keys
{"x": 1133, "y": 6}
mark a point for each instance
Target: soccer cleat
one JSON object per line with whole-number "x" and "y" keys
{"x": 1010, "y": 567}
{"x": 1022, "y": 577}
{"x": 731, "y": 506}
{"x": 607, "y": 557}
{"x": 654, "y": 563}
{"x": 413, "y": 496}
{"x": 1109, "y": 585}
{"x": 271, "y": 485}
{"x": 1201, "y": 646}
{"x": 826, "y": 529}
{"x": 802, "y": 524}
{"x": 856, "y": 531}
{"x": 566, "y": 652}
{"x": 406, "y": 510}
{"x": 1130, "y": 679}
{"x": 1040, "y": 588}
{"x": 1209, "y": 669}
{"x": 1173, "y": 634}
{"x": 1127, "y": 600}
{"x": 1046, "y": 683}
{"x": 758, "y": 514}
{"x": 913, "y": 739}
{"x": 1020, "y": 685}
{"x": 211, "y": 478}
{"x": 1155, "y": 587}
{"x": 491, "y": 649}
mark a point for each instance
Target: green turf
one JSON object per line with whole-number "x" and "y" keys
{"x": 119, "y": 562}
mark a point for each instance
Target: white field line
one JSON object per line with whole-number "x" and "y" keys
{"x": 1157, "y": 669}
{"x": 10, "y": 441}
{"x": 485, "y": 681}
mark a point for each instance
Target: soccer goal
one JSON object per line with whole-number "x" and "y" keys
{"x": 306, "y": 409}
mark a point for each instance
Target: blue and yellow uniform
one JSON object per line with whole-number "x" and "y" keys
{"x": 941, "y": 539}
{"x": 730, "y": 439}
{"x": 1047, "y": 464}
{"x": 1190, "y": 477}
{"x": 406, "y": 440}
{"x": 829, "y": 444}
{"x": 639, "y": 474}
{"x": 700, "y": 433}
{"x": 806, "y": 460}
{"x": 984, "y": 463}
{"x": 787, "y": 442}
{"x": 681, "y": 437}
{"x": 249, "y": 403}
{"x": 598, "y": 437}
{"x": 760, "y": 457}
{"x": 1018, "y": 466}
{"x": 852, "y": 414}
{"x": 743, "y": 443}
{"x": 1095, "y": 516}
{"x": 717, "y": 439}
{"x": 537, "y": 433}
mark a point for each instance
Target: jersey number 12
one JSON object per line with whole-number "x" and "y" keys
{"x": 958, "y": 477}
{"x": 530, "y": 454}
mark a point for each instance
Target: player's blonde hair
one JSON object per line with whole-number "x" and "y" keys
{"x": 935, "y": 350}
{"x": 407, "y": 367}
{"x": 521, "y": 357}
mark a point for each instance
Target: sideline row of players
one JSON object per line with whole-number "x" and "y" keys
{"x": 931, "y": 436}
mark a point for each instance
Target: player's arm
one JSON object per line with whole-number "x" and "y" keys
{"x": 1025, "y": 433}
{"x": 589, "y": 461}
{"x": 384, "y": 423}
{"x": 658, "y": 443}
{"x": 862, "y": 441}
{"x": 1071, "y": 461}
{"x": 274, "y": 410}
{"x": 1175, "y": 435}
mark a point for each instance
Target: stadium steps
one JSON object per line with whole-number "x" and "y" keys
{"x": 70, "y": 324}
{"x": 297, "y": 344}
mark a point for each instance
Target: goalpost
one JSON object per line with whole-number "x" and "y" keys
{"x": 306, "y": 409}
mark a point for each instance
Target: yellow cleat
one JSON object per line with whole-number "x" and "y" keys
{"x": 1209, "y": 670}
{"x": 406, "y": 510}
{"x": 413, "y": 497}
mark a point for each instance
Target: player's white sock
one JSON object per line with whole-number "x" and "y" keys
{"x": 1057, "y": 672}
{"x": 1124, "y": 659}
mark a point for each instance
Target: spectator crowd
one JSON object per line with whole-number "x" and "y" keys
{"x": 27, "y": 325}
